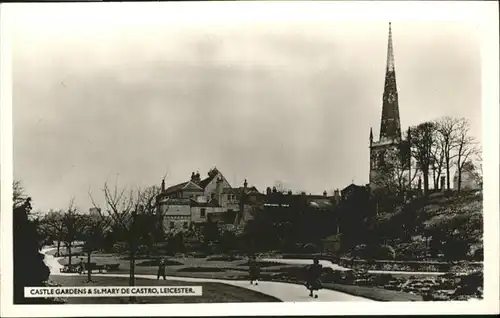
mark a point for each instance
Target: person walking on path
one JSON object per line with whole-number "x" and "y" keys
{"x": 161, "y": 270}
{"x": 254, "y": 270}
{"x": 313, "y": 281}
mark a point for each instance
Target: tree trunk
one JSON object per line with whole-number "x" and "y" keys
{"x": 89, "y": 269}
{"x": 447, "y": 174}
{"x": 132, "y": 267}
{"x": 68, "y": 247}
{"x": 459, "y": 186}
{"x": 58, "y": 247}
{"x": 434, "y": 179}
{"x": 426, "y": 183}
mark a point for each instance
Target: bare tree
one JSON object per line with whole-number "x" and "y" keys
{"x": 438, "y": 155}
{"x": 447, "y": 127}
{"x": 18, "y": 194}
{"x": 147, "y": 198}
{"x": 466, "y": 147}
{"x": 122, "y": 206}
{"x": 395, "y": 175}
{"x": 72, "y": 226}
{"x": 151, "y": 220}
{"x": 52, "y": 224}
{"x": 278, "y": 185}
{"x": 93, "y": 235}
{"x": 421, "y": 149}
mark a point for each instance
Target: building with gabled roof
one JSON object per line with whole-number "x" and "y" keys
{"x": 197, "y": 200}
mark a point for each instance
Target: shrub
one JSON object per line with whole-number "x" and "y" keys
{"x": 198, "y": 255}
{"x": 382, "y": 279}
{"x": 120, "y": 247}
{"x": 310, "y": 248}
{"x": 385, "y": 252}
{"x": 478, "y": 254}
{"x": 331, "y": 276}
{"x": 360, "y": 251}
{"x": 262, "y": 264}
{"x": 154, "y": 262}
{"x": 224, "y": 258}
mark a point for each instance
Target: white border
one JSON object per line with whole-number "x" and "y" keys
{"x": 484, "y": 14}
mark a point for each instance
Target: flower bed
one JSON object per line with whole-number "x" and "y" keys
{"x": 411, "y": 266}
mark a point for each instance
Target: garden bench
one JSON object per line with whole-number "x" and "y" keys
{"x": 70, "y": 269}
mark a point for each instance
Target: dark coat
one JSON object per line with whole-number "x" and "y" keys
{"x": 314, "y": 276}
{"x": 254, "y": 270}
{"x": 161, "y": 267}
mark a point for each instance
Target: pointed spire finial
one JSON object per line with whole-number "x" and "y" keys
{"x": 390, "y": 51}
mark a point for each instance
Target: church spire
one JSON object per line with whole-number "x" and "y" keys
{"x": 390, "y": 52}
{"x": 390, "y": 127}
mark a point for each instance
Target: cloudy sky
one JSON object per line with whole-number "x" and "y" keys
{"x": 137, "y": 93}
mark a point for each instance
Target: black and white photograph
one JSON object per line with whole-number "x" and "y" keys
{"x": 250, "y": 153}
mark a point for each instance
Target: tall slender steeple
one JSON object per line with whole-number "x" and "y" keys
{"x": 390, "y": 127}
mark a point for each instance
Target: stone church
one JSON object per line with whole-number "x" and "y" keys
{"x": 390, "y": 128}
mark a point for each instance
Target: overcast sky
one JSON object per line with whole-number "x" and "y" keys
{"x": 98, "y": 94}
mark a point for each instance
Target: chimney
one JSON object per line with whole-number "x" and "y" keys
{"x": 195, "y": 177}
{"x": 245, "y": 184}
{"x": 163, "y": 185}
{"x": 325, "y": 193}
{"x": 268, "y": 191}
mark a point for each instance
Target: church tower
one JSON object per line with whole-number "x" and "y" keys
{"x": 390, "y": 127}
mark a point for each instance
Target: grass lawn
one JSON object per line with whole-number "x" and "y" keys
{"x": 373, "y": 293}
{"x": 212, "y": 292}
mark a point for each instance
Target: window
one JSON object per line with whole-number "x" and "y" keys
{"x": 212, "y": 195}
{"x": 202, "y": 212}
{"x": 185, "y": 225}
{"x": 172, "y": 224}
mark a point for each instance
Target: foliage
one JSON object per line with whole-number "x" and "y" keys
{"x": 29, "y": 266}
{"x": 454, "y": 230}
{"x": 372, "y": 252}
{"x": 410, "y": 251}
